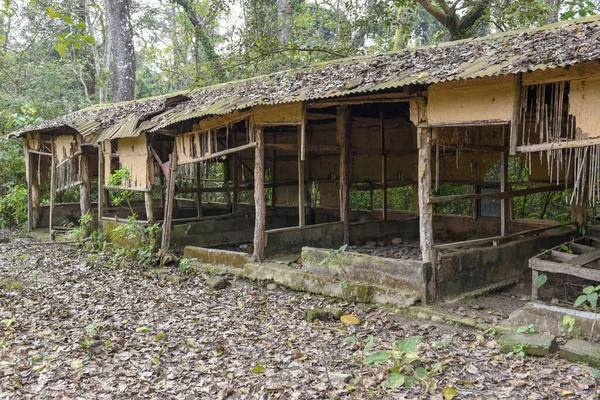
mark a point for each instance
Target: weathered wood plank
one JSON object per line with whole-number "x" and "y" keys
{"x": 566, "y": 269}
{"x": 558, "y": 145}
{"x": 586, "y": 258}
{"x": 498, "y": 195}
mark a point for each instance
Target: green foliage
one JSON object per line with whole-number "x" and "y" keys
{"x": 518, "y": 350}
{"x": 568, "y": 324}
{"x": 136, "y": 242}
{"x": 85, "y": 227}
{"x": 184, "y": 264}
{"x": 589, "y": 298}
{"x": 541, "y": 280}
{"x": 13, "y": 207}
{"x": 404, "y": 365}
{"x": 525, "y": 329}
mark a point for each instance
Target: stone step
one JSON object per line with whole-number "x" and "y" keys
{"x": 533, "y": 344}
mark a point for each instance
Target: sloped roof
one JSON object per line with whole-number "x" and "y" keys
{"x": 551, "y": 46}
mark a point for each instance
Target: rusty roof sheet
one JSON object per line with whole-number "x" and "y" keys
{"x": 557, "y": 45}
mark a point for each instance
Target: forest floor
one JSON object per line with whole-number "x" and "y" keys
{"x": 76, "y": 325}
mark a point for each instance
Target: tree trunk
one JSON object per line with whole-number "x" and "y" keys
{"x": 284, "y": 15}
{"x": 121, "y": 37}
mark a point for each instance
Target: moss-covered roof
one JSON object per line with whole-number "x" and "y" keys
{"x": 558, "y": 45}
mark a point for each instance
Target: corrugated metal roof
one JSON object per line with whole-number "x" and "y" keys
{"x": 558, "y": 45}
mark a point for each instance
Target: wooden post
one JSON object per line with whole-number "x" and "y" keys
{"x": 424, "y": 179}
{"x": 199, "y": 189}
{"x": 168, "y": 218}
{"x": 344, "y": 127}
{"x": 236, "y": 176}
{"x": 52, "y": 188}
{"x": 383, "y": 168}
{"x": 504, "y": 203}
{"x": 101, "y": 192}
{"x": 259, "y": 196}
{"x": 301, "y": 180}
{"x": 148, "y": 200}
{"x": 274, "y": 172}
{"x": 371, "y": 197}
{"x": 85, "y": 187}
{"x": 475, "y": 203}
{"x": 516, "y": 115}
{"x": 33, "y": 198}
{"x": 416, "y": 199}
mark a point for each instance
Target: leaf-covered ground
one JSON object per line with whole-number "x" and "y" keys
{"x": 75, "y": 326}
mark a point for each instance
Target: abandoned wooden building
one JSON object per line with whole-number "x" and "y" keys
{"x": 269, "y": 163}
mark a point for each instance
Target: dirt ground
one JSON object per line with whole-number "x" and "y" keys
{"x": 86, "y": 326}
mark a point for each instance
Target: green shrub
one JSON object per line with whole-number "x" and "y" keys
{"x": 13, "y": 207}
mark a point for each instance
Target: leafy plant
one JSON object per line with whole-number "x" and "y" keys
{"x": 13, "y": 207}
{"x": 525, "y": 329}
{"x": 184, "y": 264}
{"x": 407, "y": 366}
{"x": 541, "y": 280}
{"x": 85, "y": 227}
{"x": 335, "y": 256}
{"x": 589, "y": 301}
{"x": 518, "y": 350}
{"x": 568, "y": 323}
{"x": 135, "y": 241}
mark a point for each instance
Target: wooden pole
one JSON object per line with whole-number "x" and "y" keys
{"x": 85, "y": 186}
{"x": 236, "y": 175}
{"x": 516, "y": 115}
{"x": 344, "y": 127}
{"x": 52, "y": 188}
{"x": 259, "y": 196}
{"x": 383, "y": 167}
{"x": 504, "y": 203}
{"x": 101, "y": 192}
{"x": 274, "y": 171}
{"x": 199, "y": 189}
{"x": 168, "y": 218}
{"x": 29, "y": 190}
{"x": 148, "y": 200}
{"x": 301, "y": 180}
{"x": 424, "y": 135}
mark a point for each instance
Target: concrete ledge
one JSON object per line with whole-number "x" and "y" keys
{"x": 410, "y": 275}
{"x": 549, "y": 319}
{"x": 215, "y": 256}
{"x": 532, "y": 344}
{"x": 349, "y": 291}
{"x": 581, "y": 351}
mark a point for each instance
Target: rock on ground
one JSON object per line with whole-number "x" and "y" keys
{"x": 532, "y": 344}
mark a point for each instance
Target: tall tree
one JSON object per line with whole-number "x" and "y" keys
{"x": 457, "y": 16}
{"x": 121, "y": 37}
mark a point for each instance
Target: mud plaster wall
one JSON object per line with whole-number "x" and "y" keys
{"x": 470, "y": 101}
{"x": 584, "y": 98}
{"x": 133, "y": 154}
{"x": 65, "y": 146}
{"x": 188, "y": 147}
{"x": 290, "y": 113}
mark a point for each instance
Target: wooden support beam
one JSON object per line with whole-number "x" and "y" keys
{"x": 148, "y": 200}
{"x": 85, "y": 186}
{"x": 424, "y": 139}
{"x": 516, "y": 115}
{"x": 41, "y": 153}
{"x": 302, "y": 143}
{"x": 168, "y": 217}
{"x": 33, "y": 198}
{"x": 274, "y": 171}
{"x": 235, "y": 176}
{"x": 259, "y": 196}
{"x": 301, "y": 181}
{"x": 344, "y": 131}
{"x": 383, "y": 166}
{"x": 379, "y": 98}
{"x": 572, "y": 144}
{"x": 52, "y": 189}
{"x": 221, "y": 153}
{"x": 496, "y": 196}
{"x": 101, "y": 190}
{"x": 505, "y": 202}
